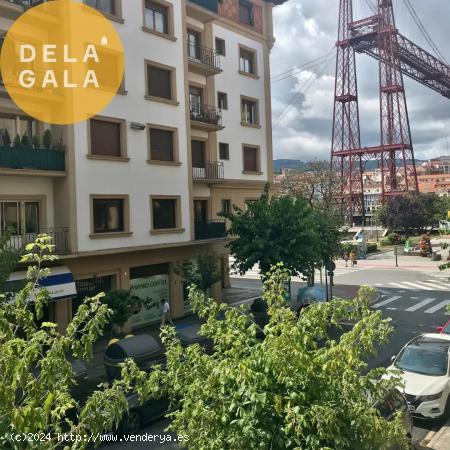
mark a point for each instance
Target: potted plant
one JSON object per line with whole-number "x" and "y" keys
{"x": 47, "y": 139}
{"x": 35, "y": 141}
{"x": 6, "y": 139}
{"x": 122, "y": 303}
{"x": 24, "y": 141}
{"x": 17, "y": 143}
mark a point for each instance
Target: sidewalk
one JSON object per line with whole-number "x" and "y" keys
{"x": 441, "y": 440}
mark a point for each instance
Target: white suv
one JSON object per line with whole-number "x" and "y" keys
{"x": 425, "y": 366}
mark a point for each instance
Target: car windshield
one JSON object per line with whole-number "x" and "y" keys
{"x": 447, "y": 328}
{"x": 430, "y": 359}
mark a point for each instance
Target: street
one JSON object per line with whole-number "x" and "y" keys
{"x": 414, "y": 296}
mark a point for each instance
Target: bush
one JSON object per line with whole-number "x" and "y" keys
{"x": 121, "y": 302}
{"x": 384, "y": 242}
{"x": 372, "y": 247}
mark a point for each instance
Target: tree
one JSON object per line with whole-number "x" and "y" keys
{"x": 36, "y": 374}
{"x": 203, "y": 271}
{"x": 281, "y": 229}
{"x": 315, "y": 182}
{"x": 412, "y": 212}
{"x": 9, "y": 257}
{"x": 295, "y": 389}
{"x": 121, "y": 302}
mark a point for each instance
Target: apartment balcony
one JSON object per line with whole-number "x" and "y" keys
{"x": 214, "y": 229}
{"x": 14, "y": 8}
{"x": 206, "y": 117}
{"x": 212, "y": 173}
{"x": 60, "y": 239}
{"x": 203, "y": 60}
{"x": 42, "y": 161}
{"x": 210, "y": 5}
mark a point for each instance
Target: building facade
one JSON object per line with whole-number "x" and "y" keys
{"x": 130, "y": 194}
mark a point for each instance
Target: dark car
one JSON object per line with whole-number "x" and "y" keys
{"x": 392, "y": 403}
{"x": 139, "y": 415}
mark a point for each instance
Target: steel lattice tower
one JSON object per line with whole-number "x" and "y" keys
{"x": 378, "y": 37}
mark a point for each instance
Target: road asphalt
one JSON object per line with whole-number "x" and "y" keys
{"x": 413, "y": 296}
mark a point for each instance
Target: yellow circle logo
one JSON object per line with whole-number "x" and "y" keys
{"x": 62, "y": 62}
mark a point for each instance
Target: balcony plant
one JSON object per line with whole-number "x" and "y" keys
{"x": 17, "y": 143}
{"x": 25, "y": 141}
{"x": 35, "y": 141}
{"x": 47, "y": 139}
{"x": 6, "y": 138}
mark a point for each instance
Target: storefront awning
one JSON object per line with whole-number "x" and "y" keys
{"x": 59, "y": 284}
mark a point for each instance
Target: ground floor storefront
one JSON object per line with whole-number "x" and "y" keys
{"x": 152, "y": 275}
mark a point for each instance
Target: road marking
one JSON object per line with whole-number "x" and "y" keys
{"x": 438, "y": 307}
{"x": 397, "y": 284}
{"x": 418, "y": 286}
{"x": 392, "y": 309}
{"x": 437, "y": 286}
{"x": 420, "y": 305}
{"x": 386, "y": 302}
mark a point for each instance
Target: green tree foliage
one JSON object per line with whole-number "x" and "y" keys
{"x": 36, "y": 375}
{"x": 9, "y": 257}
{"x": 412, "y": 213}
{"x": 282, "y": 229}
{"x": 121, "y": 303}
{"x": 295, "y": 389}
{"x": 203, "y": 271}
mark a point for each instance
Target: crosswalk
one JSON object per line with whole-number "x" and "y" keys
{"x": 412, "y": 304}
{"x": 434, "y": 284}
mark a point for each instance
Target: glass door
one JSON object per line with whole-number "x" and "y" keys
{"x": 200, "y": 211}
{"x": 195, "y": 101}
{"x": 193, "y": 45}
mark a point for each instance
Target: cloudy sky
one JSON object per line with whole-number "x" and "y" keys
{"x": 306, "y": 30}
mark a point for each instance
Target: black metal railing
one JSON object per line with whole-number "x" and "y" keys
{"x": 60, "y": 239}
{"x": 212, "y": 171}
{"x": 26, "y": 3}
{"x": 206, "y": 114}
{"x": 214, "y": 229}
{"x": 204, "y": 55}
{"x": 212, "y": 5}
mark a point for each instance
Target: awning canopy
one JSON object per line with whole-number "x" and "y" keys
{"x": 59, "y": 284}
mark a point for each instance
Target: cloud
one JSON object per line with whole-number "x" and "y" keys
{"x": 302, "y": 110}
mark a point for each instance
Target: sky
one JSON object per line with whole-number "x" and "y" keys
{"x": 306, "y": 30}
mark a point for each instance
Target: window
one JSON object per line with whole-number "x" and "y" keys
{"x": 220, "y": 46}
{"x": 198, "y": 154}
{"x": 105, "y": 6}
{"x": 251, "y": 159}
{"x": 19, "y": 217}
{"x": 247, "y": 61}
{"x": 165, "y": 213}
{"x": 108, "y": 215}
{"x": 156, "y": 17}
{"x": 193, "y": 45}
{"x": 245, "y": 12}
{"x": 160, "y": 82}
{"x": 249, "y": 112}
{"x": 226, "y": 207}
{"x": 106, "y": 138}
{"x": 15, "y": 125}
{"x": 200, "y": 211}
{"x": 195, "y": 102}
{"x": 224, "y": 151}
{"x": 162, "y": 144}
{"x": 222, "y": 100}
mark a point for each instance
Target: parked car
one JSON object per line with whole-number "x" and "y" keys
{"x": 139, "y": 415}
{"x": 424, "y": 363}
{"x": 444, "y": 329}
{"x": 392, "y": 403}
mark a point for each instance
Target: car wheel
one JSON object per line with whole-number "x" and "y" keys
{"x": 131, "y": 423}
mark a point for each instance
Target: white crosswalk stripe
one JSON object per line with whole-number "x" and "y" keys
{"x": 437, "y": 307}
{"x": 418, "y": 286}
{"x": 430, "y": 285}
{"x": 386, "y": 302}
{"x": 420, "y": 304}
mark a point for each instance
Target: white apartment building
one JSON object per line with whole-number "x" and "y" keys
{"x": 131, "y": 193}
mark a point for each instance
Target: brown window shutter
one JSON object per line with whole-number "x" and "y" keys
{"x": 161, "y": 145}
{"x": 159, "y": 82}
{"x": 250, "y": 159}
{"x": 198, "y": 154}
{"x": 105, "y": 138}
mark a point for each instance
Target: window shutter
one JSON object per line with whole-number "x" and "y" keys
{"x": 159, "y": 82}
{"x": 105, "y": 138}
{"x": 250, "y": 159}
{"x": 161, "y": 145}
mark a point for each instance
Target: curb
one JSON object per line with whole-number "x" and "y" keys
{"x": 440, "y": 440}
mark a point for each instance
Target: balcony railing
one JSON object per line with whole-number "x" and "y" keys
{"x": 212, "y": 5}
{"x": 26, "y": 3}
{"x": 211, "y": 172}
{"x": 211, "y": 230}
{"x": 60, "y": 239}
{"x": 204, "y": 55}
{"x": 32, "y": 158}
{"x": 206, "y": 114}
